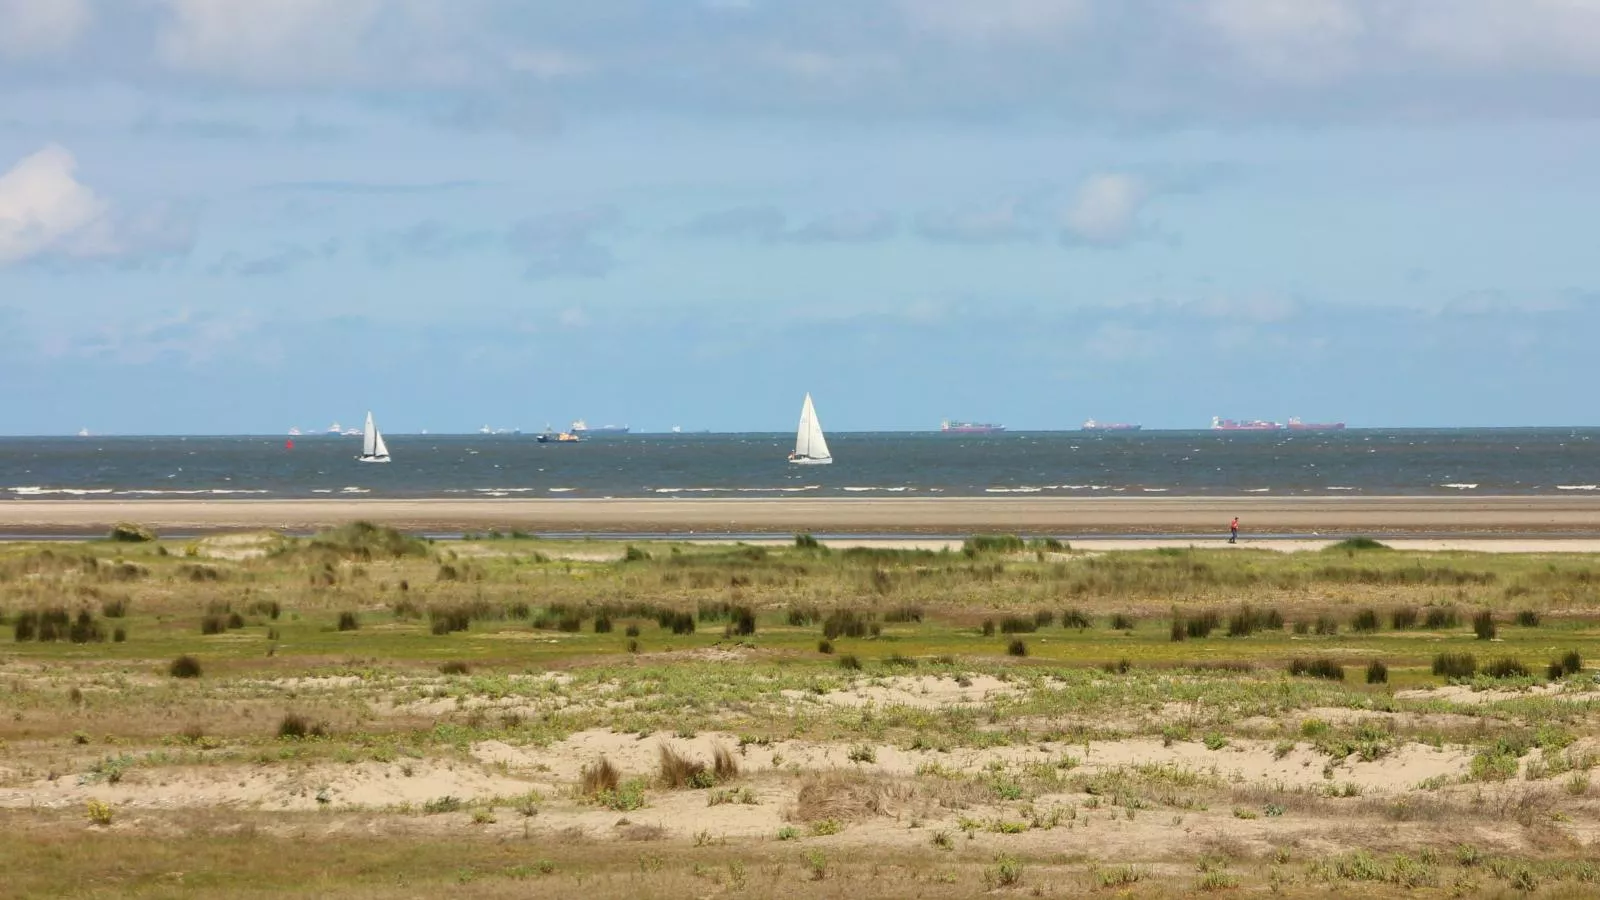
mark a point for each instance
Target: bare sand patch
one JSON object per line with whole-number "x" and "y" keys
{"x": 918, "y": 691}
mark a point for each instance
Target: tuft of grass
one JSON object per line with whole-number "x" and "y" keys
{"x": 348, "y": 621}
{"x": 184, "y": 667}
{"x": 982, "y": 544}
{"x": 723, "y": 765}
{"x": 678, "y": 771}
{"x": 1528, "y": 619}
{"x": 1017, "y": 647}
{"x": 1319, "y": 667}
{"x": 1365, "y": 621}
{"x": 454, "y": 667}
{"x": 1403, "y": 618}
{"x": 600, "y": 777}
{"x": 1506, "y": 667}
{"x": 294, "y": 726}
{"x": 806, "y": 542}
{"x": 213, "y": 624}
{"x": 825, "y": 646}
{"x": 1455, "y": 665}
{"x": 130, "y": 533}
{"x": 1441, "y": 617}
{"x": 1483, "y": 625}
{"x": 1076, "y": 618}
{"x": 114, "y": 608}
{"x": 849, "y": 661}
{"x": 634, "y": 554}
{"x": 1356, "y": 545}
{"x": 1122, "y": 622}
{"x": 1377, "y": 672}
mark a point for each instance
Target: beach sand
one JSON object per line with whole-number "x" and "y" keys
{"x": 1133, "y": 517}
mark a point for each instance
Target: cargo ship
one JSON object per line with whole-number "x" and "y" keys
{"x": 1092, "y": 425}
{"x": 949, "y": 427}
{"x": 1297, "y": 425}
{"x": 582, "y": 427}
{"x": 1250, "y": 425}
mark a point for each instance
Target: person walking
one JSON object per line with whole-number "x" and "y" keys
{"x": 1233, "y": 531}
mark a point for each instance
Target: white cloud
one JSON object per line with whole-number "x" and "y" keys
{"x": 44, "y": 209}
{"x": 1499, "y": 35}
{"x": 996, "y": 20}
{"x": 35, "y": 28}
{"x": 1298, "y": 39}
{"x": 1107, "y": 207}
{"x": 268, "y": 40}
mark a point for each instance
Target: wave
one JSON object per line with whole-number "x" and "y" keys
{"x": 1460, "y": 486}
{"x": 1578, "y": 487}
{"x": 500, "y": 491}
{"x": 189, "y": 493}
{"x": 1258, "y": 490}
{"x": 35, "y": 491}
{"x": 560, "y": 490}
{"x": 1338, "y": 488}
{"x": 355, "y": 490}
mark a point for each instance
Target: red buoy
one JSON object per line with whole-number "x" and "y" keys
{"x": 288, "y": 445}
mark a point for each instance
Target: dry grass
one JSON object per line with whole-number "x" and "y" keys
{"x": 599, "y": 777}
{"x": 847, "y": 797}
{"x": 678, "y": 771}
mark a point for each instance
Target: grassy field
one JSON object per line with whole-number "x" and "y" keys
{"x": 368, "y": 714}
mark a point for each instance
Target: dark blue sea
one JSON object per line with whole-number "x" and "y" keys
{"x": 1065, "y": 464}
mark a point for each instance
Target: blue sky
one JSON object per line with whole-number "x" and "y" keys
{"x": 224, "y": 216}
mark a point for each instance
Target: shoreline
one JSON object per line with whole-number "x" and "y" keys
{"x": 1497, "y": 517}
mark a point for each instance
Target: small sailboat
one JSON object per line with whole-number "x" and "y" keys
{"x": 373, "y": 449}
{"x": 810, "y": 447}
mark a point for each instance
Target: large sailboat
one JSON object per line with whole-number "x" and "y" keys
{"x": 810, "y": 447}
{"x": 373, "y": 449}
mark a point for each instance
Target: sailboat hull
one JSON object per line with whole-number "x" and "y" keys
{"x": 372, "y": 459}
{"x": 812, "y": 462}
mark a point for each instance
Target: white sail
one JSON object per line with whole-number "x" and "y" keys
{"x": 809, "y": 444}
{"x": 373, "y": 449}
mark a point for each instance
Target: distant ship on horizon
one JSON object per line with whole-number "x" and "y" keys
{"x": 1219, "y": 424}
{"x": 1297, "y": 425}
{"x": 579, "y": 426}
{"x": 949, "y": 427}
{"x": 1092, "y": 425}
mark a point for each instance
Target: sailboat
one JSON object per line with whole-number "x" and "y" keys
{"x": 810, "y": 447}
{"x": 373, "y": 449}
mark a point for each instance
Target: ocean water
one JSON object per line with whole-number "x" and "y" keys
{"x": 1066, "y": 464}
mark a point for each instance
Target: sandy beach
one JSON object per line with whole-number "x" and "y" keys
{"x": 1476, "y": 517}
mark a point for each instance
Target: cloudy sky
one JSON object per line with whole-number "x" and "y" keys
{"x": 240, "y": 215}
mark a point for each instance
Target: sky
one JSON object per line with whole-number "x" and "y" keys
{"x": 238, "y": 216}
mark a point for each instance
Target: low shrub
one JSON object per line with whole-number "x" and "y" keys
{"x": 1403, "y": 618}
{"x": 1365, "y": 621}
{"x": 213, "y": 624}
{"x": 1075, "y": 618}
{"x": 1441, "y": 617}
{"x": 678, "y": 771}
{"x": 184, "y": 667}
{"x": 980, "y": 544}
{"x": 1455, "y": 665}
{"x": 1506, "y": 667}
{"x": 1528, "y": 619}
{"x": 1017, "y": 647}
{"x": 1319, "y": 667}
{"x": 1483, "y": 625}
{"x": 824, "y": 646}
{"x": 295, "y": 726}
{"x": 1377, "y": 672}
{"x": 348, "y": 621}
{"x": 454, "y": 667}
{"x": 1122, "y": 622}
{"x": 131, "y": 533}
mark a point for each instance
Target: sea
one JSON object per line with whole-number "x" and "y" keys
{"x": 1550, "y": 461}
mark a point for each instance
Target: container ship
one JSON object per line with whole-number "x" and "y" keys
{"x": 949, "y": 427}
{"x": 582, "y": 427}
{"x": 1250, "y": 425}
{"x": 1297, "y": 425}
{"x": 1092, "y": 425}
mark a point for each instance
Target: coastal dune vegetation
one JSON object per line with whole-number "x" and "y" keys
{"x": 509, "y": 716}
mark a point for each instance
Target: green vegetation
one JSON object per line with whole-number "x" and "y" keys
{"x": 567, "y": 701}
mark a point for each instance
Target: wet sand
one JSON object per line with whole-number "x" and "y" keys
{"x": 1454, "y": 517}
